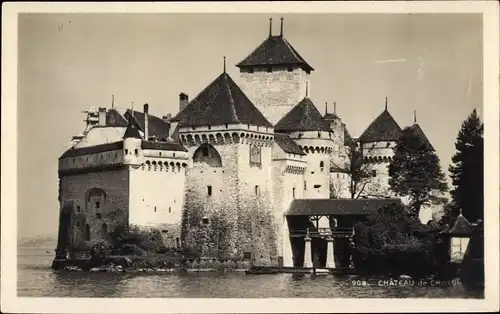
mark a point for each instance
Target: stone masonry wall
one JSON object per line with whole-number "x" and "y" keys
{"x": 112, "y": 211}
{"x": 275, "y": 93}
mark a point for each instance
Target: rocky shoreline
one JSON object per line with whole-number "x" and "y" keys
{"x": 118, "y": 268}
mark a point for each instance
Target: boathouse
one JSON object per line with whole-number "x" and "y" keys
{"x": 321, "y": 230}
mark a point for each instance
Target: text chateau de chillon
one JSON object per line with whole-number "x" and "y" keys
{"x": 255, "y": 160}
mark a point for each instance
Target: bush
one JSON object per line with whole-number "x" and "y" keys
{"x": 100, "y": 252}
{"x": 131, "y": 249}
{"x": 394, "y": 242}
{"x": 133, "y": 237}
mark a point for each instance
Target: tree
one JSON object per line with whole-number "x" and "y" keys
{"x": 466, "y": 171}
{"x": 361, "y": 181}
{"x": 415, "y": 171}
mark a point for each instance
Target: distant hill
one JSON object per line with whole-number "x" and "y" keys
{"x": 37, "y": 240}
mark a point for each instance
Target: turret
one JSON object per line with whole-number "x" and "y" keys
{"x": 132, "y": 140}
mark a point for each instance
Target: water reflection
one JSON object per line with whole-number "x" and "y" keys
{"x": 36, "y": 279}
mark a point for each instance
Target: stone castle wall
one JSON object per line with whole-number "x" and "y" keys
{"x": 157, "y": 197}
{"x": 275, "y": 93}
{"x": 110, "y": 188}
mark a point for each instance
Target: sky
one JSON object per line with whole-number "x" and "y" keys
{"x": 431, "y": 63}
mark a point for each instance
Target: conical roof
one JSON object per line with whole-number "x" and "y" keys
{"x": 221, "y": 102}
{"x": 132, "y": 130}
{"x": 275, "y": 50}
{"x": 461, "y": 227}
{"x": 383, "y": 128}
{"x": 303, "y": 117}
{"x": 420, "y": 133}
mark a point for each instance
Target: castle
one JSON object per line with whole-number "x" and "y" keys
{"x": 230, "y": 172}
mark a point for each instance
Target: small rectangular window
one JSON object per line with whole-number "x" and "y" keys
{"x": 205, "y": 221}
{"x": 98, "y": 215}
{"x": 178, "y": 242}
{"x": 155, "y": 209}
{"x": 305, "y": 185}
{"x": 257, "y": 192}
{"x": 250, "y": 70}
{"x": 293, "y": 192}
{"x": 126, "y": 152}
{"x": 374, "y": 173}
{"x": 170, "y": 209}
{"x": 290, "y": 69}
{"x": 209, "y": 190}
{"x": 97, "y": 204}
{"x": 205, "y": 151}
{"x": 136, "y": 151}
{"x": 269, "y": 69}
{"x": 78, "y": 208}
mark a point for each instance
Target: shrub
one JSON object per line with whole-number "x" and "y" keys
{"x": 100, "y": 252}
{"x": 393, "y": 242}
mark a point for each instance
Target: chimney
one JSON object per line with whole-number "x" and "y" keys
{"x": 183, "y": 101}
{"x": 146, "y": 121}
{"x": 102, "y": 116}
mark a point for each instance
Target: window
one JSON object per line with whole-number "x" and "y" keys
{"x": 209, "y": 190}
{"x": 305, "y": 185}
{"x": 255, "y": 155}
{"x": 169, "y": 209}
{"x": 204, "y": 151}
{"x": 250, "y": 70}
{"x": 98, "y": 215}
{"x": 160, "y": 154}
{"x": 78, "y": 224}
{"x": 319, "y": 134}
{"x": 257, "y": 192}
{"x": 204, "y": 221}
{"x": 317, "y": 186}
{"x": 178, "y": 242}
{"x": 155, "y": 209}
{"x": 164, "y": 231}
{"x": 322, "y": 165}
{"x": 78, "y": 208}
{"x": 290, "y": 69}
{"x": 269, "y": 69}
{"x": 126, "y": 152}
{"x": 136, "y": 151}
{"x": 337, "y": 175}
{"x": 388, "y": 144}
{"x": 293, "y": 192}
{"x": 87, "y": 232}
{"x": 173, "y": 155}
{"x": 374, "y": 173}
{"x": 247, "y": 255}
{"x": 226, "y": 125}
{"x": 97, "y": 204}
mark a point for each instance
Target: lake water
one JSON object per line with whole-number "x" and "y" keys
{"x": 36, "y": 279}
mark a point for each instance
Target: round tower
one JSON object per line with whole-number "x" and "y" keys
{"x": 132, "y": 140}
{"x": 305, "y": 125}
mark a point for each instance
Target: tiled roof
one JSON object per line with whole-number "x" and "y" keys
{"x": 221, "y": 102}
{"x": 156, "y": 127}
{"x": 163, "y": 146}
{"x": 93, "y": 149}
{"x": 330, "y": 116}
{"x": 132, "y": 130}
{"x": 287, "y": 144}
{"x": 303, "y": 117}
{"x": 275, "y": 50}
{"x": 383, "y": 128}
{"x": 461, "y": 227}
{"x": 421, "y": 134}
{"x": 365, "y": 206}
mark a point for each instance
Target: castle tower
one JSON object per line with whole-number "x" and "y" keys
{"x": 312, "y": 133}
{"x": 132, "y": 139}
{"x": 274, "y": 76}
{"x": 229, "y": 186}
{"x": 377, "y": 143}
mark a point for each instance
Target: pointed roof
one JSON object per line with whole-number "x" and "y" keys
{"x": 132, "y": 130}
{"x": 461, "y": 227}
{"x": 348, "y": 140}
{"x": 222, "y": 101}
{"x": 303, "y": 117}
{"x": 420, "y": 133}
{"x": 275, "y": 50}
{"x": 383, "y": 128}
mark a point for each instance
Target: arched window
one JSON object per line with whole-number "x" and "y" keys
{"x": 207, "y": 154}
{"x": 96, "y": 198}
{"x": 87, "y": 232}
{"x": 104, "y": 231}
